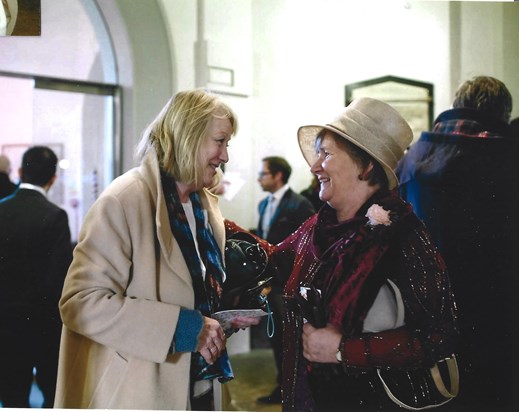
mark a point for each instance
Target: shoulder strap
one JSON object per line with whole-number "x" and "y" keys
{"x": 400, "y": 314}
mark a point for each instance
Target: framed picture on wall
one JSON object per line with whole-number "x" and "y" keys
{"x": 413, "y": 99}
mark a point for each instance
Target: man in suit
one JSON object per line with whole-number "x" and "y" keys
{"x": 35, "y": 252}
{"x": 281, "y": 214}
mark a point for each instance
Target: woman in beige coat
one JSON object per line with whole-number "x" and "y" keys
{"x": 147, "y": 273}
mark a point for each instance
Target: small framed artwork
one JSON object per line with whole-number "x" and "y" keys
{"x": 413, "y": 99}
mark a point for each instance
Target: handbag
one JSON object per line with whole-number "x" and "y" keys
{"x": 246, "y": 285}
{"x": 412, "y": 389}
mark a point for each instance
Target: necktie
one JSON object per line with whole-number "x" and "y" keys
{"x": 269, "y": 212}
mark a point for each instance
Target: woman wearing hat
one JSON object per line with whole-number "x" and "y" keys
{"x": 364, "y": 243}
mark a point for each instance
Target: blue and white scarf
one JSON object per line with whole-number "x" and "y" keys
{"x": 208, "y": 291}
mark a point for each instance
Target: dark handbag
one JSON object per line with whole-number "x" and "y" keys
{"x": 246, "y": 285}
{"x": 413, "y": 389}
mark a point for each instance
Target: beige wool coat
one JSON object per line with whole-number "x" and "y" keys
{"x": 121, "y": 300}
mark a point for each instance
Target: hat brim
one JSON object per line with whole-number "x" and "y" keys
{"x": 306, "y": 136}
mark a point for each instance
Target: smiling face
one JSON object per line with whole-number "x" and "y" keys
{"x": 338, "y": 174}
{"x": 213, "y": 150}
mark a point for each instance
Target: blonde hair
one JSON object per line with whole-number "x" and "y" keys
{"x": 180, "y": 128}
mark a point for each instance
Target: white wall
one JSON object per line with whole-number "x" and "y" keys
{"x": 306, "y": 51}
{"x": 303, "y": 53}
{"x": 66, "y": 48}
{"x": 291, "y": 60}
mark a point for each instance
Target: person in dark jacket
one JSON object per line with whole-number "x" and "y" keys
{"x": 312, "y": 193}
{"x": 462, "y": 179}
{"x": 281, "y": 214}
{"x": 35, "y": 252}
{"x": 6, "y": 186}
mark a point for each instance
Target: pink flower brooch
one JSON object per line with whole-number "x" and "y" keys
{"x": 377, "y": 215}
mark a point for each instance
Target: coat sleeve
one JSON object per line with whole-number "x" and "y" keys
{"x": 95, "y": 300}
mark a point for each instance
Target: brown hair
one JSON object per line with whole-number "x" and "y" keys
{"x": 486, "y": 94}
{"x": 277, "y": 164}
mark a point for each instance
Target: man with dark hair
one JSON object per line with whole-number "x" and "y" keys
{"x": 281, "y": 214}
{"x": 35, "y": 252}
{"x": 462, "y": 179}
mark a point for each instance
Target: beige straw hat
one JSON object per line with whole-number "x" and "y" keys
{"x": 370, "y": 124}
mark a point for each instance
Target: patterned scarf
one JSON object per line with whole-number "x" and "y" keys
{"x": 469, "y": 123}
{"x": 208, "y": 291}
{"x": 349, "y": 252}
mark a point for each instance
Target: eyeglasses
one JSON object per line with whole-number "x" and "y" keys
{"x": 261, "y": 174}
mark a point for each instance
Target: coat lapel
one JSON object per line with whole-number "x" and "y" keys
{"x": 171, "y": 253}
{"x": 282, "y": 205}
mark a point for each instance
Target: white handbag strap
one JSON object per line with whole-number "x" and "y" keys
{"x": 400, "y": 312}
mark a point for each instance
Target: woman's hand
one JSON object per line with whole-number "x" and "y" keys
{"x": 320, "y": 345}
{"x": 211, "y": 340}
{"x": 241, "y": 322}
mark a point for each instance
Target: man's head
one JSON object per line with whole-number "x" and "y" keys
{"x": 274, "y": 174}
{"x": 487, "y": 95}
{"x": 39, "y": 166}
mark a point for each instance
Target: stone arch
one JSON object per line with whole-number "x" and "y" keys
{"x": 138, "y": 37}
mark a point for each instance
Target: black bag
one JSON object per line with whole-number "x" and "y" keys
{"x": 413, "y": 389}
{"x": 246, "y": 285}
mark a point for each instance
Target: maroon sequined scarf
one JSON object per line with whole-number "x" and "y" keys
{"x": 349, "y": 252}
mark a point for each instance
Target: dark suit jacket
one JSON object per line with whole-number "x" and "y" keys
{"x": 35, "y": 252}
{"x": 293, "y": 209}
{"x": 6, "y": 186}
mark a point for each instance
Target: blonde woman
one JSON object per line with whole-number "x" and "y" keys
{"x": 148, "y": 273}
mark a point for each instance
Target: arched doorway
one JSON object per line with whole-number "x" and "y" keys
{"x": 74, "y": 88}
